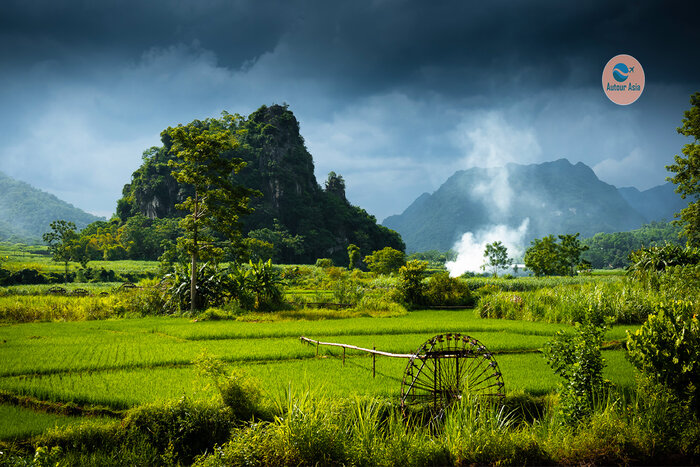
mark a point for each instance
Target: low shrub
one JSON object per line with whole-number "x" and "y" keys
{"x": 578, "y": 360}
{"x": 240, "y": 392}
{"x": 324, "y": 263}
{"x": 667, "y": 349}
{"x": 165, "y": 433}
{"x": 347, "y": 290}
{"x": 183, "y": 428}
{"x": 443, "y": 290}
{"x": 411, "y": 286}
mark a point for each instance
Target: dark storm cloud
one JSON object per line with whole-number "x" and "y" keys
{"x": 73, "y": 31}
{"x": 453, "y": 46}
{"x": 395, "y": 95}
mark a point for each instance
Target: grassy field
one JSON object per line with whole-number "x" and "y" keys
{"x": 124, "y": 363}
{"x": 17, "y": 423}
{"x": 80, "y": 352}
{"x": 39, "y": 258}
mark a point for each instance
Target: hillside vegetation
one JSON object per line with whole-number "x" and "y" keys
{"x": 300, "y": 218}
{"x": 26, "y": 212}
{"x": 612, "y": 250}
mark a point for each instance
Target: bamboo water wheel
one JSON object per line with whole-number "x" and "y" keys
{"x": 447, "y": 368}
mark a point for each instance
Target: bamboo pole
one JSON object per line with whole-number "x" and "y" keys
{"x": 354, "y": 347}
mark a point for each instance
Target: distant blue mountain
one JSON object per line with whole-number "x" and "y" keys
{"x": 655, "y": 204}
{"x": 558, "y": 197}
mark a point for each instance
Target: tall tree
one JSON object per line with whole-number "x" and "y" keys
{"x": 335, "y": 184}
{"x": 542, "y": 258}
{"x": 687, "y": 170}
{"x": 546, "y": 257}
{"x": 353, "y": 256}
{"x": 497, "y": 254}
{"x": 217, "y": 203}
{"x": 570, "y": 251}
{"x": 61, "y": 241}
{"x": 385, "y": 261}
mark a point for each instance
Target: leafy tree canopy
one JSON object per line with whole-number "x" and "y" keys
{"x": 216, "y": 202}
{"x": 687, "y": 172}
{"x": 62, "y": 242}
{"x": 548, "y": 257}
{"x": 385, "y": 261}
{"x": 497, "y": 254}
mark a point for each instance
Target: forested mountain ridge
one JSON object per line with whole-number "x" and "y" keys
{"x": 557, "y": 197}
{"x": 314, "y": 222}
{"x": 26, "y": 212}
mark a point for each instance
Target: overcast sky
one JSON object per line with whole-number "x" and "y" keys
{"x": 393, "y": 95}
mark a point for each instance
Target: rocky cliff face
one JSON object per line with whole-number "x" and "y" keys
{"x": 282, "y": 169}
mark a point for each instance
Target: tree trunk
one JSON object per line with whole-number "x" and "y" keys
{"x": 193, "y": 283}
{"x": 65, "y": 274}
{"x": 195, "y": 251}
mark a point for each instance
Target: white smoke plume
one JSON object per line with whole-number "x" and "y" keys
{"x": 470, "y": 248}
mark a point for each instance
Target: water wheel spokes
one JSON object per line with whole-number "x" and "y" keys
{"x": 446, "y": 369}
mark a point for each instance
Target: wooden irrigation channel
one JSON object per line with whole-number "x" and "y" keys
{"x": 442, "y": 370}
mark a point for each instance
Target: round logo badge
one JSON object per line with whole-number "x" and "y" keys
{"x": 623, "y": 79}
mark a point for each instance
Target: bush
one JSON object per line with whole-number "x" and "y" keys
{"x": 324, "y": 263}
{"x": 166, "y": 433}
{"x": 680, "y": 282}
{"x": 183, "y": 429}
{"x": 25, "y": 276}
{"x": 385, "y": 261}
{"x": 443, "y": 290}
{"x": 239, "y": 392}
{"x": 347, "y": 291}
{"x": 649, "y": 263}
{"x": 411, "y": 282}
{"x": 578, "y": 360}
{"x": 667, "y": 349}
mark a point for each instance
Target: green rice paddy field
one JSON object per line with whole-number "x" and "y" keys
{"x": 124, "y": 363}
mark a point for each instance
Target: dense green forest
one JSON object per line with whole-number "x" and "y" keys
{"x": 611, "y": 250}
{"x": 297, "y": 218}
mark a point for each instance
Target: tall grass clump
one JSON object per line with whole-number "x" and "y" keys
{"x": 239, "y": 392}
{"x": 309, "y": 428}
{"x": 477, "y": 433}
{"x": 526, "y": 284}
{"x": 621, "y": 302}
{"x": 31, "y": 308}
{"x": 165, "y": 433}
{"x": 305, "y": 430}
